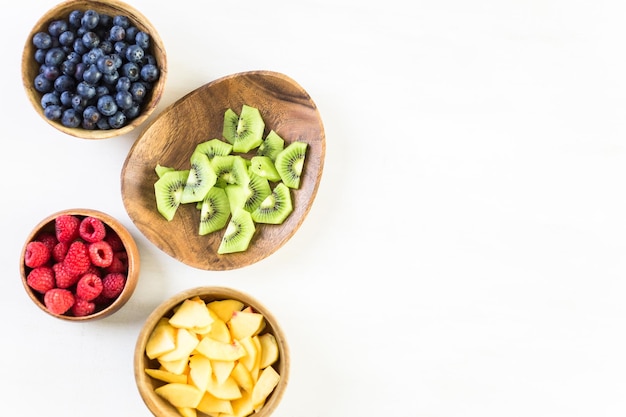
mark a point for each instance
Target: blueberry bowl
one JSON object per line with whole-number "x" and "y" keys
{"x": 94, "y": 69}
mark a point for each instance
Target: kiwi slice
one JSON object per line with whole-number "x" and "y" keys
{"x": 200, "y": 179}
{"x": 275, "y": 208}
{"x": 290, "y": 163}
{"x": 214, "y": 147}
{"x": 238, "y": 234}
{"x": 271, "y": 145}
{"x": 243, "y": 131}
{"x": 263, "y": 166}
{"x": 214, "y": 211}
{"x": 230, "y": 169}
{"x": 168, "y": 191}
{"x": 161, "y": 169}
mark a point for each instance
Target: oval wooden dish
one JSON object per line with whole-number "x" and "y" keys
{"x": 171, "y": 138}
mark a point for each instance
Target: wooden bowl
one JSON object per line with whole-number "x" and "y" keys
{"x": 199, "y": 116}
{"x": 146, "y": 384}
{"x": 47, "y": 225}
{"x": 30, "y": 67}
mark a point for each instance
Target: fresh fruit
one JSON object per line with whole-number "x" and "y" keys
{"x": 169, "y": 192}
{"x": 214, "y": 211}
{"x": 214, "y": 147}
{"x": 290, "y": 163}
{"x": 271, "y": 145}
{"x": 37, "y": 254}
{"x": 200, "y": 179}
{"x": 78, "y": 266}
{"x": 238, "y": 234}
{"x": 243, "y": 131}
{"x": 275, "y": 208}
{"x": 230, "y": 378}
{"x": 263, "y": 166}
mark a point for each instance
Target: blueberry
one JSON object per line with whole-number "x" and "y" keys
{"x": 131, "y": 70}
{"x": 106, "y": 105}
{"x": 74, "y": 57}
{"x": 131, "y": 32}
{"x": 64, "y": 83}
{"x": 105, "y": 21}
{"x": 102, "y": 90}
{"x": 42, "y": 84}
{"x": 149, "y": 73}
{"x": 121, "y": 20}
{"x": 90, "y": 40}
{"x": 70, "y": 118}
{"x": 120, "y": 47}
{"x": 91, "y": 56}
{"x": 138, "y": 91}
{"x": 123, "y": 84}
{"x": 42, "y": 40}
{"x": 56, "y": 27}
{"x": 66, "y": 98}
{"x": 67, "y": 67}
{"x": 67, "y": 38}
{"x": 133, "y": 111}
{"x": 79, "y": 103}
{"x": 79, "y": 46}
{"x": 92, "y": 114}
{"x": 92, "y": 74}
{"x": 142, "y": 39}
{"x": 103, "y": 123}
{"x": 74, "y": 18}
{"x": 134, "y": 53}
{"x": 86, "y": 90}
{"x": 55, "y": 56}
{"x": 111, "y": 79}
{"x": 40, "y": 55}
{"x": 53, "y": 112}
{"x": 117, "y": 120}
{"x": 50, "y": 99}
{"x": 106, "y": 46}
{"x": 106, "y": 64}
{"x": 80, "y": 70}
{"x": 117, "y": 33}
{"x": 90, "y": 19}
{"x": 124, "y": 100}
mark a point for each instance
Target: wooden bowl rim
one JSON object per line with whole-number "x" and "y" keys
{"x": 141, "y": 21}
{"x": 132, "y": 276}
{"x": 158, "y": 406}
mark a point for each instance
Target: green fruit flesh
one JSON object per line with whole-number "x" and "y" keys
{"x": 238, "y": 234}
{"x": 214, "y": 211}
{"x": 230, "y": 169}
{"x": 275, "y": 208}
{"x": 214, "y": 147}
{"x": 263, "y": 166}
{"x": 271, "y": 145}
{"x": 168, "y": 191}
{"x": 290, "y": 163}
{"x": 200, "y": 180}
{"x": 160, "y": 170}
{"x": 244, "y": 132}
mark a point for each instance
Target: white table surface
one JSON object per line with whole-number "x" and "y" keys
{"x": 465, "y": 252}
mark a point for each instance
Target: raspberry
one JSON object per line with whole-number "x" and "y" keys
{"x": 66, "y": 227}
{"x": 114, "y": 240}
{"x": 62, "y": 277}
{"x": 100, "y": 254}
{"x": 41, "y": 279}
{"x": 47, "y": 238}
{"x": 92, "y": 229}
{"x": 88, "y": 287}
{"x": 113, "y": 284}
{"x": 59, "y": 251}
{"x": 82, "y": 307}
{"x": 58, "y": 300}
{"x": 77, "y": 260}
{"x": 119, "y": 264}
{"x": 36, "y": 254}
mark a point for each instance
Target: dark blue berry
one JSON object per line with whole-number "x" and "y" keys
{"x": 138, "y": 91}
{"x": 111, "y": 79}
{"x": 55, "y": 56}
{"x": 40, "y": 55}
{"x": 102, "y": 90}
{"x": 131, "y": 70}
{"x": 92, "y": 114}
{"x": 134, "y": 53}
{"x": 117, "y": 120}
{"x": 66, "y": 98}
{"x": 67, "y": 67}
{"x": 50, "y": 99}
{"x": 92, "y": 74}
{"x": 133, "y": 111}
{"x": 142, "y": 39}
{"x": 50, "y": 72}
{"x": 64, "y": 83}
{"x": 117, "y": 33}
{"x": 57, "y": 27}
{"x": 67, "y": 38}
{"x": 86, "y": 90}
{"x": 124, "y": 100}
{"x": 79, "y": 46}
{"x": 42, "y": 84}
{"x": 149, "y": 73}
{"x": 106, "y": 46}
{"x": 42, "y": 40}
{"x": 53, "y": 112}
{"x": 123, "y": 84}
{"x": 131, "y": 32}
{"x": 106, "y": 64}
{"x": 106, "y": 105}
{"x": 91, "y": 40}
{"x": 74, "y": 18}
{"x": 70, "y": 118}
{"x": 80, "y": 70}
{"x": 90, "y": 19}
{"x": 121, "y": 20}
{"x": 103, "y": 123}
{"x": 79, "y": 103}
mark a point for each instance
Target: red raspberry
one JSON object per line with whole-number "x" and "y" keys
{"x": 94, "y": 270}
{"x": 88, "y": 287}
{"x": 66, "y": 227}
{"x": 100, "y": 254}
{"x": 82, "y": 307}
{"x": 58, "y": 300}
{"x": 48, "y": 238}
{"x": 41, "y": 279}
{"x": 59, "y": 251}
{"x": 92, "y": 229}
{"x": 36, "y": 254}
{"x": 114, "y": 240}
{"x": 119, "y": 263}
{"x": 62, "y": 277}
{"x": 113, "y": 284}
{"x": 77, "y": 260}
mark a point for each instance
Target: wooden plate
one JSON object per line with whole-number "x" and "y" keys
{"x": 199, "y": 116}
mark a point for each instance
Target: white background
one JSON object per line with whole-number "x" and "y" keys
{"x": 465, "y": 252}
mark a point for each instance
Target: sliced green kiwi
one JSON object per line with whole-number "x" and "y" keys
{"x": 200, "y": 179}
{"x": 214, "y": 147}
{"x": 230, "y": 169}
{"x": 243, "y": 131}
{"x": 168, "y": 191}
{"x": 161, "y": 169}
{"x": 290, "y": 163}
{"x": 275, "y": 208}
{"x": 214, "y": 211}
{"x": 271, "y": 145}
{"x": 238, "y": 234}
{"x": 263, "y": 166}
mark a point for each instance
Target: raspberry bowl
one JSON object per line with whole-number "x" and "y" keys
{"x": 211, "y": 350}
{"x": 94, "y": 69}
{"x": 79, "y": 265}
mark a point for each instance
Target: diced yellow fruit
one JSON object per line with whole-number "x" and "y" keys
{"x": 214, "y": 349}
{"x": 243, "y": 406}
{"x": 250, "y": 358}
{"x": 244, "y": 323}
{"x": 228, "y": 390}
{"x": 225, "y": 308}
{"x": 222, "y": 369}
{"x": 179, "y": 367}
{"x": 211, "y": 405}
{"x": 180, "y": 395}
{"x": 161, "y": 340}
{"x": 257, "y": 364}
{"x": 200, "y": 370}
{"x": 219, "y": 329}
{"x": 192, "y": 313}
{"x": 268, "y": 379}
{"x": 166, "y": 376}
{"x": 269, "y": 350}
{"x": 242, "y": 376}
{"x": 187, "y": 411}
{"x": 186, "y": 342}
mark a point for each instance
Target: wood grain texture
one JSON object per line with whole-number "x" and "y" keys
{"x": 199, "y": 116}
{"x": 30, "y": 67}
